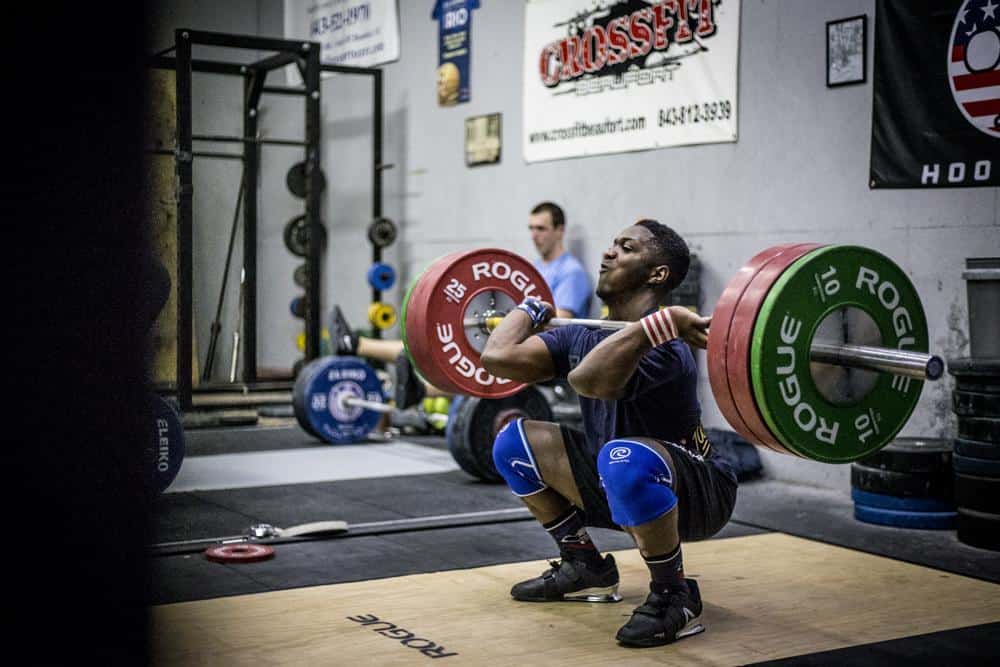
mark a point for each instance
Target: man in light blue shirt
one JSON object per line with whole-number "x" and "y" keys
{"x": 565, "y": 275}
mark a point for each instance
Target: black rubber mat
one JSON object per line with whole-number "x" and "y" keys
{"x": 975, "y": 645}
{"x": 207, "y": 514}
{"x": 189, "y": 577}
{"x": 828, "y": 516}
{"x": 211, "y": 441}
{"x": 808, "y": 512}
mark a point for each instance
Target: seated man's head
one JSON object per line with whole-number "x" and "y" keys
{"x": 547, "y": 225}
{"x": 646, "y": 256}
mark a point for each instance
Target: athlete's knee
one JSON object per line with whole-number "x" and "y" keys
{"x": 514, "y": 460}
{"x": 637, "y": 480}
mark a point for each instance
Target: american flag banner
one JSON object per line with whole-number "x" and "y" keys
{"x": 936, "y": 101}
{"x": 974, "y": 54}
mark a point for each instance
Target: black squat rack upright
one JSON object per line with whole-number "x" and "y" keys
{"x": 304, "y": 55}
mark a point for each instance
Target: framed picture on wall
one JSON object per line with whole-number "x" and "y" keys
{"x": 846, "y": 51}
{"x": 482, "y": 139}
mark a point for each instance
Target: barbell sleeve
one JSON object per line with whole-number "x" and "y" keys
{"x": 354, "y": 402}
{"x": 898, "y": 362}
{"x": 438, "y": 420}
{"x": 918, "y": 365}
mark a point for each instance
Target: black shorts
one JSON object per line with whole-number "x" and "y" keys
{"x": 706, "y": 494}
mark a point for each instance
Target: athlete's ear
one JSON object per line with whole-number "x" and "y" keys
{"x": 658, "y": 275}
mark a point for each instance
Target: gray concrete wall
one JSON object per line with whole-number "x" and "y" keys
{"x": 798, "y": 172}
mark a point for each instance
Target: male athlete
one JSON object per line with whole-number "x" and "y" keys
{"x": 643, "y": 463}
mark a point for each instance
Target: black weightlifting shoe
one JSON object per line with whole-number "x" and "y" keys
{"x": 664, "y": 618}
{"x": 571, "y": 581}
{"x": 409, "y": 390}
{"x": 345, "y": 341}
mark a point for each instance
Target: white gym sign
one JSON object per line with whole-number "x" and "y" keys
{"x": 607, "y": 77}
{"x": 356, "y": 33}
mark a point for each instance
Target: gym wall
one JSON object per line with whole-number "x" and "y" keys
{"x": 798, "y": 172}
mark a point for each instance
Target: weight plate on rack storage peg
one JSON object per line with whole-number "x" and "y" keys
{"x": 381, "y": 276}
{"x": 296, "y": 236}
{"x": 382, "y": 232}
{"x": 295, "y": 179}
{"x": 301, "y": 275}
{"x": 381, "y": 315}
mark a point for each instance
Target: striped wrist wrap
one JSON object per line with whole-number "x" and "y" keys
{"x": 659, "y": 327}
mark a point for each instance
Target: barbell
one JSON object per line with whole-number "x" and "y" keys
{"x": 819, "y": 351}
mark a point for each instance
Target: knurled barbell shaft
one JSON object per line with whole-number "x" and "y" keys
{"x": 881, "y": 359}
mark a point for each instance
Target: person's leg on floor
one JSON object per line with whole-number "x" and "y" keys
{"x": 640, "y": 479}
{"x": 531, "y": 456}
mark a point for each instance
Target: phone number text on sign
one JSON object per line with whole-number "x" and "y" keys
{"x": 705, "y": 112}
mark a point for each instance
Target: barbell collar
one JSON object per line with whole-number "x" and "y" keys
{"x": 881, "y": 359}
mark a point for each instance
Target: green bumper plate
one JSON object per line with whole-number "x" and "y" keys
{"x": 813, "y": 287}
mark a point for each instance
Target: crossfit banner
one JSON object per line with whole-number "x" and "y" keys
{"x": 627, "y": 75}
{"x": 936, "y": 111}
{"x": 357, "y": 33}
{"x": 454, "y": 19}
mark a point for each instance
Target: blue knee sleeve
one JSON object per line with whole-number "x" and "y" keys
{"x": 637, "y": 481}
{"x": 513, "y": 459}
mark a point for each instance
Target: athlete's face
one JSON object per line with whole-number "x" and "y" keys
{"x": 626, "y": 265}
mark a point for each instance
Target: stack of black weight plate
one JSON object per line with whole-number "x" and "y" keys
{"x": 906, "y": 484}
{"x": 976, "y": 402}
